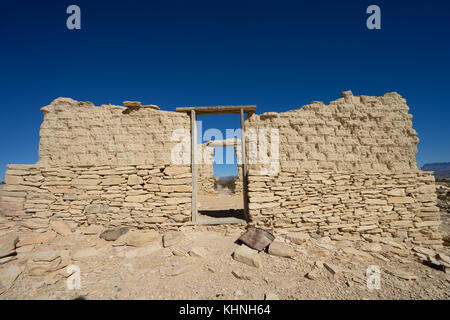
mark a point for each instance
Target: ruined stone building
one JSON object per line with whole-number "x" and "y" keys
{"x": 347, "y": 168}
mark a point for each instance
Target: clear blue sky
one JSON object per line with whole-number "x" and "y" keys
{"x": 278, "y": 55}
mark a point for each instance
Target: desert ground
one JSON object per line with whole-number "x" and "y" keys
{"x": 196, "y": 262}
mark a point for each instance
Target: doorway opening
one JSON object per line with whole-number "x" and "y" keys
{"x": 220, "y": 195}
{"x": 212, "y": 170}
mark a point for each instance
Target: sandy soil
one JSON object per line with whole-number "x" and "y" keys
{"x": 220, "y": 202}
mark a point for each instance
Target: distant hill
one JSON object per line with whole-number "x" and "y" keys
{"x": 441, "y": 169}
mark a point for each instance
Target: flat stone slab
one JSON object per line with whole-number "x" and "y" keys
{"x": 46, "y": 237}
{"x": 8, "y": 275}
{"x": 61, "y": 228}
{"x": 248, "y": 256}
{"x": 45, "y": 255}
{"x": 8, "y": 245}
{"x": 281, "y": 249}
{"x": 172, "y": 238}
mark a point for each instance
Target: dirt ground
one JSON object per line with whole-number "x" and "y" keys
{"x": 200, "y": 266}
{"x": 220, "y": 202}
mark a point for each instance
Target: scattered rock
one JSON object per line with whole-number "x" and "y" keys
{"x": 313, "y": 274}
{"x": 444, "y": 258}
{"x": 35, "y": 223}
{"x": 132, "y": 104}
{"x": 392, "y": 243}
{"x": 46, "y": 237}
{"x": 7, "y": 259}
{"x": 281, "y": 250}
{"x": 425, "y": 251}
{"x": 113, "y": 234}
{"x": 178, "y": 252}
{"x": 331, "y": 268}
{"x": 25, "y": 249}
{"x": 298, "y": 237}
{"x": 240, "y": 275}
{"x": 372, "y": 247}
{"x": 93, "y": 229}
{"x": 8, "y": 275}
{"x": 8, "y": 245}
{"x": 43, "y": 267}
{"x": 247, "y": 255}
{"x": 141, "y": 239}
{"x": 401, "y": 274}
{"x": 45, "y": 255}
{"x": 271, "y": 296}
{"x": 171, "y": 238}
{"x": 61, "y": 228}
{"x": 198, "y": 252}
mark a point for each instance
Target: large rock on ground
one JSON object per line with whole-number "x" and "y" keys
{"x": 247, "y": 255}
{"x": 93, "y": 229}
{"x": 113, "y": 234}
{"x": 61, "y": 228}
{"x": 8, "y": 275}
{"x": 46, "y": 237}
{"x": 140, "y": 239}
{"x": 298, "y": 237}
{"x": 45, "y": 255}
{"x": 281, "y": 249}
{"x": 40, "y": 268}
{"x": 171, "y": 238}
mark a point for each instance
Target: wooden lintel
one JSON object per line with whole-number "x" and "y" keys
{"x": 250, "y": 109}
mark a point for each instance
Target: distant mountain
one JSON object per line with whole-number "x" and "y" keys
{"x": 441, "y": 169}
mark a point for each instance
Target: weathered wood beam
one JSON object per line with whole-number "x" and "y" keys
{"x": 219, "y": 109}
{"x": 194, "y": 165}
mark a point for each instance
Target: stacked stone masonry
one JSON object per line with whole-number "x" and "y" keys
{"x": 139, "y": 196}
{"x": 347, "y": 168}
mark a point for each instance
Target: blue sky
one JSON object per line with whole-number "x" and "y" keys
{"x": 278, "y": 55}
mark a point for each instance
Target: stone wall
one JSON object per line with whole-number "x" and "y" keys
{"x": 79, "y": 133}
{"x": 345, "y": 169}
{"x": 139, "y": 196}
{"x": 109, "y": 165}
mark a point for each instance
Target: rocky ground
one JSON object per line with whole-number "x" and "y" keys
{"x": 205, "y": 262}
{"x": 197, "y": 263}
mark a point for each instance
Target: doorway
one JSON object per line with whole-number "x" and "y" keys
{"x": 210, "y": 212}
